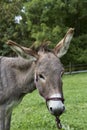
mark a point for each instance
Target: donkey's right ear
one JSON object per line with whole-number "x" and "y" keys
{"x": 21, "y": 50}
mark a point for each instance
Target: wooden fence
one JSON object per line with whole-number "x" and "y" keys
{"x": 77, "y": 68}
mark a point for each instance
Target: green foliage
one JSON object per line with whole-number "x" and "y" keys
{"x": 45, "y": 20}
{"x": 8, "y": 11}
{"x": 78, "y": 51}
{"x": 32, "y": 113}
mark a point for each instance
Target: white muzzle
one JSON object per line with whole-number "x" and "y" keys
{"x": 55, "y": 105}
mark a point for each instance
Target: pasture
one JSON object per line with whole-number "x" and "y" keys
{"x": 32, "y": 113}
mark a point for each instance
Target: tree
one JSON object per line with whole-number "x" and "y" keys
{"x": 45, "y": 20}
{"x": 9, "y": 29}
{"x": 77, "y": 16}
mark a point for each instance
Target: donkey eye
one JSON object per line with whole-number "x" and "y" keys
{"x": 41, "y": 76}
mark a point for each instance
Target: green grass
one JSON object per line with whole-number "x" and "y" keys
{"x": 32, "y": 113}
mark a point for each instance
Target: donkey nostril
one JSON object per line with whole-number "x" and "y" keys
{"x": 51, "y": 108}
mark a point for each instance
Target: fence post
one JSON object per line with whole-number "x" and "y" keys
{"x": 70, "y": 68}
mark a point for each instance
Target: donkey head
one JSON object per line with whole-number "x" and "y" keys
{"x": 48, "y": 71}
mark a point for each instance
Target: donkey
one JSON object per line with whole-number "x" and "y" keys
{"x": 32, "y": 69}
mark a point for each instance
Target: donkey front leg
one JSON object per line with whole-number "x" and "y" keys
{"x": 8, "y": 120}
{"x": 5, "y": 118}
{"x": 2, "y": 118}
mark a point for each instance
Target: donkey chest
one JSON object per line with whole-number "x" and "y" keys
{"x": 11, "y": 104}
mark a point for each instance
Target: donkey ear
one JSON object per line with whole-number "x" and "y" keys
{"x": 22, "y": 51}
{"x": 62, "y": 47}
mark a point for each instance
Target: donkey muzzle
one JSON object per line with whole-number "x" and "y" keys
{"x": 55, "y": 106}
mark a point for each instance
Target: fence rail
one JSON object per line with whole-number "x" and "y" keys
{"x": 78, "y": 68}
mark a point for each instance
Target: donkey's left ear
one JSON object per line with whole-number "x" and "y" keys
{"x": 62, "y": 47}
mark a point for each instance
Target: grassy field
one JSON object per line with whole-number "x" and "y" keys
{"x": 32, "y": 113}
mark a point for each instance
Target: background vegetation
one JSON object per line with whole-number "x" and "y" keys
{"x": 32, "y": 113}
{"x": 27, "y": 21}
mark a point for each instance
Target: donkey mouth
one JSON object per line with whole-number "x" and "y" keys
{"x": 56, "y": 107}
{"x": 56, "y": 112}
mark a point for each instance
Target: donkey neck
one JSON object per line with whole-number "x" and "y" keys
{"x": 25, "y": 75}
{"x": 23, "y": 71}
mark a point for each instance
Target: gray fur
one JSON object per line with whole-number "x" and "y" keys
{"x": 16, "y": 80}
